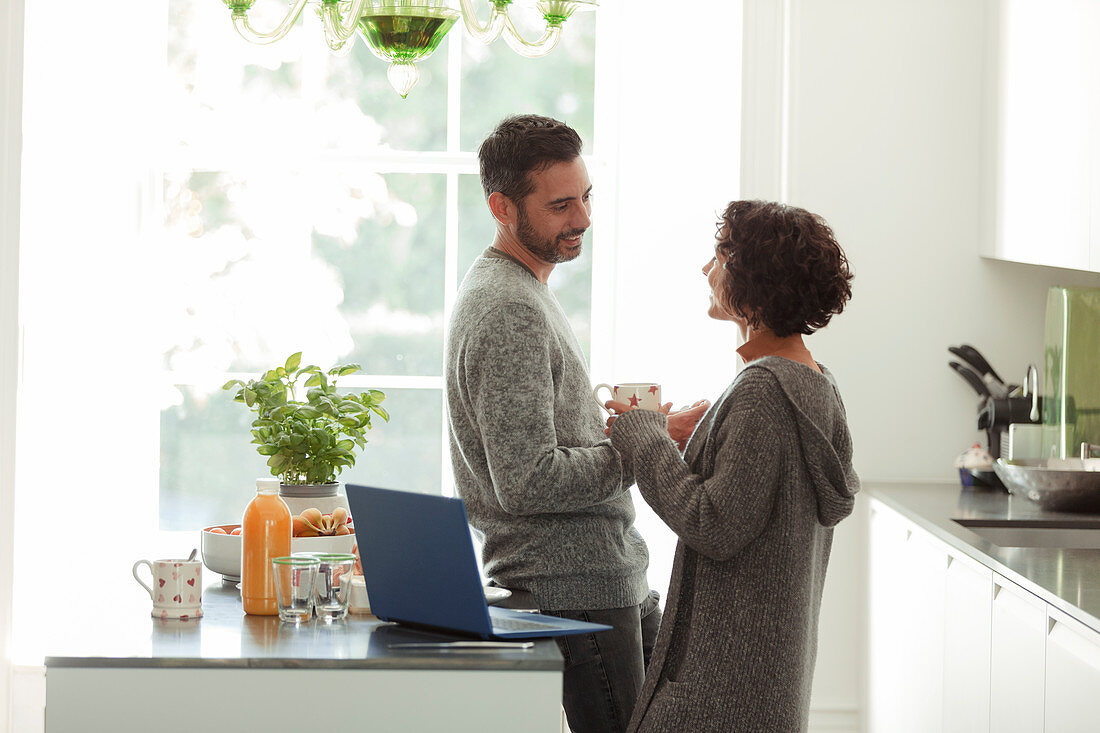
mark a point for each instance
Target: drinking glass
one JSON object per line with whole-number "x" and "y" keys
{"x": 332, "y": 595}
{"x": 295, "y": 586}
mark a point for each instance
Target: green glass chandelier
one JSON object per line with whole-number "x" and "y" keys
{"x": 404, "y": 32}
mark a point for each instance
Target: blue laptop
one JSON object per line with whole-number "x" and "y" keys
{"x": 419, "y": 566}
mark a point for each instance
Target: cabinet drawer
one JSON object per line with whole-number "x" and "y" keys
{"x": 1017, "y": 659}
{"x": 1072, "y": 676}
{"x": 968, "y": 605}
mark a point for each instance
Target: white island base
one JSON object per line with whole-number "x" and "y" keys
{"x": 137, "y": 700}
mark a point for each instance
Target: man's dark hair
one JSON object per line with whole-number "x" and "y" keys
{"x": 520, "y": 145}
{"x": 784, "y": 268}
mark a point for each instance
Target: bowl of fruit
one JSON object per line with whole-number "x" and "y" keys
{"x": 221, "y": 551}
{"x": 311, "y": 531}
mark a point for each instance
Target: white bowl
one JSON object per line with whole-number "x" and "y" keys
{"x": 222, "y": 552}
{"x": 342, "y": 543}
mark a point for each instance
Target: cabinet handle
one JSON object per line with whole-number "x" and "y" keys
{"x": 1074, "y": 644}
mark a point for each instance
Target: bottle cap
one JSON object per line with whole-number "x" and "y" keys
{"x": 267, "y": 484}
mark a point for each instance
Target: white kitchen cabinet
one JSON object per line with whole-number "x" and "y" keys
{"x": 967, "y": 641}
{"x": 1017, "y": 660}
{"x": 906, "y": 627}
{"x": 1044, "y": 140}
{"x": 887, "y": 627}
{"x": 925, "y": 570}
{"x": 1072, "y": 676}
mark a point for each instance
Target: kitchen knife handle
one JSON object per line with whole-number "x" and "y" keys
{"x": 971, "y": 378}
{"x": 976, "y": 360}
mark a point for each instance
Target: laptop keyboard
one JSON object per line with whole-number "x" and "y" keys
{"x": 508, "y": 623}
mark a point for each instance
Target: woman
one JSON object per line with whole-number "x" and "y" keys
{"x": 764, "y": 478}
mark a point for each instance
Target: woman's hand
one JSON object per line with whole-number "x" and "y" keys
{"x": 681, "y": 424}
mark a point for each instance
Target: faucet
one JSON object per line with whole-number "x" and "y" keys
{"x": 1032, "y": 378}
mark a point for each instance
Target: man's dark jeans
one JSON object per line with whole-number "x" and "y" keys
{"x": 604, "y": 671}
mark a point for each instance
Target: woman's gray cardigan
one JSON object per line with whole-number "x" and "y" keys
{"x": 765, "y": 477}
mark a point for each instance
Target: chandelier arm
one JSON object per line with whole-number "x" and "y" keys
{"x": 490, "y": 31}
{"x": 340, "y": 48}
{"x": 339, "y": 29}
{"x": 250, "y": 34}
{"x": 532, "y": 49}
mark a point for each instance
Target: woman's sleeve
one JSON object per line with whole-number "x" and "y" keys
{"x": 720, "y": 514}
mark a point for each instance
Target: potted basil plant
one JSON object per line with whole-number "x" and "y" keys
{"x": 308, "y": 442}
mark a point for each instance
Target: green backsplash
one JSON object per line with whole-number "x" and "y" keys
{"x": 1071, "y": 389}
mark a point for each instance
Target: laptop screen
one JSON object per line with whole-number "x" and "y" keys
{"x": 418, "y": 559}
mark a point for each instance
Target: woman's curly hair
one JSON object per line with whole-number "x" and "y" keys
{"x": 785, "y": 270}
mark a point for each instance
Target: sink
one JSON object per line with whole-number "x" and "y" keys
{"x": 1065, "y": 535}
{"x": 1058, "y": 485}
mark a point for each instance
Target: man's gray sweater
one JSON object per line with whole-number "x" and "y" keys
{"x": 543, "y": 487}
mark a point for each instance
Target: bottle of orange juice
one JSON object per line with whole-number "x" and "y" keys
{"x": 265, "y": 533}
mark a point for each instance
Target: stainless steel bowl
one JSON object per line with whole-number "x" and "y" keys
{"x": 1057, "y": 484}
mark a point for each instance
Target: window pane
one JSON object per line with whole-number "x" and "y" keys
{"x": 496, "y": 82}
{"x": 391, "y": 274}
{"x": 417, "y": 122}
{"x": 222, "y": 86}
{"x": 571, "y": 282}
{"x": 478, "y": 225}
{"x": 208, "y": 467}
{"x": 243, "y": 288}
{"x": 407, "y": 452}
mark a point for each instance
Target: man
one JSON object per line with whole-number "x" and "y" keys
{"x": 543, "y": 487}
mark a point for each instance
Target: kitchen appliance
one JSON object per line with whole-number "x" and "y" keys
{"x": 1001, "y": 404}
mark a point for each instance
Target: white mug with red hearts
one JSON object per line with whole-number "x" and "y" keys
{"x": 643, "y": 395}
{"x": 176, "y": 589}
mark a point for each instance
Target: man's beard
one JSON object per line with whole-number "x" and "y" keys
{"x": 547, "y": 250}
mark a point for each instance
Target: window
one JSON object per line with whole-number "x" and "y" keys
{"x": 197, "y": 208}
{"x": 305, "y": 206}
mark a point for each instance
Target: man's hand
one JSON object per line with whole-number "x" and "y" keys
{"x": 681, "y": 423}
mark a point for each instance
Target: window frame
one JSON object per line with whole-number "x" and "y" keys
{"x": 451, "y": 162}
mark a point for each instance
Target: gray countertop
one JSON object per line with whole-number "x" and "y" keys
{"x": 1068, "y": 579}
{"x": 226, "y": 638}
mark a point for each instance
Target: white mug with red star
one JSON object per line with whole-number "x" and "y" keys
{"x": 176, "y": 589}
{"x": 643, "y": 395}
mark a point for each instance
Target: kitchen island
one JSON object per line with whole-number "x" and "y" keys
{"x": 984, "y": 613}
{"x": 230, "y": 671}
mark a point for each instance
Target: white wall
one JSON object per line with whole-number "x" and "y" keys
{"x": 887, "y": 128}
{"x": 11, "y": 84}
